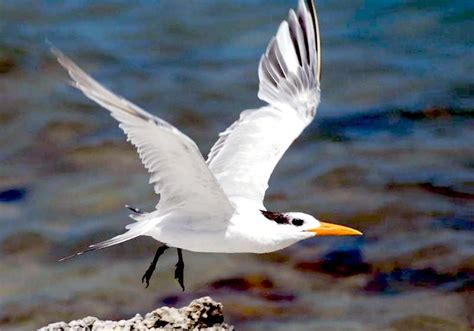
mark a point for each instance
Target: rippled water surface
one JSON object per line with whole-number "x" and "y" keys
{"x": 391, "y": 153}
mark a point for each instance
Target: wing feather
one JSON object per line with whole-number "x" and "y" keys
{"x": 177, "y": 169}
{"x": 244, "y": 156}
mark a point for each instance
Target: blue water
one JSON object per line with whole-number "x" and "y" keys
{"x": 390, "y": 153}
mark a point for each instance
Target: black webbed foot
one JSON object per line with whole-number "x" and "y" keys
{"x": 179, "y": 271}
{"x": 149, "y": 272}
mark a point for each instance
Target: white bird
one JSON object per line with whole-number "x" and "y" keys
{"x": 217, "y": 205}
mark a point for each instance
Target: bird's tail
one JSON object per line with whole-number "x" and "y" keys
{"x": 133, "y": 232}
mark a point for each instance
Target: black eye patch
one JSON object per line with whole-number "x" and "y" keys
{"x": 297, "y": 222}
{"x": 279, "y": 218}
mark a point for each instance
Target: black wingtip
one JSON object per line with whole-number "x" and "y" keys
{"x": 314, "y": 15}
{"x": 135, "y": 210}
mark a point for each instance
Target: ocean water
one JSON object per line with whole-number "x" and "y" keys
{"x": 391, "y": 153}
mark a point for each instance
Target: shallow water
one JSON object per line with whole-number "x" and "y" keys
{"x": 390, "y": 153}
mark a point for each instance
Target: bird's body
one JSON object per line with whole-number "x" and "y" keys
{"x": 246, "y": 231}
{"x": 217, "y": 205}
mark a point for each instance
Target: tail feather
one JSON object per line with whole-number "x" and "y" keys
{"x": 132, "y": 233}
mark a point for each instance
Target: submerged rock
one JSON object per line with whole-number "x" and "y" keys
{"x": 201, "y": 314}
{"x": 12, "y": 195}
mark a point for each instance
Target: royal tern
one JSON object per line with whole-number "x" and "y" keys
{"x": 217, "y": 205}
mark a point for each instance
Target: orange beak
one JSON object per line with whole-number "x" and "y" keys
{"x": 328, "y": 229}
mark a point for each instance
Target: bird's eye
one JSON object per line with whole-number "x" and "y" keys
{"x": 297, "y": 222}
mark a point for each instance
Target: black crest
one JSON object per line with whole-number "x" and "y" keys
{"x": 279, "y": 218}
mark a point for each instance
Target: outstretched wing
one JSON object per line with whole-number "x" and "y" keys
{"x": 244, "y": 156}
{"x": 178, "y": 171}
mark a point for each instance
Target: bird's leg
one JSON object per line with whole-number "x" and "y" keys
{"x": 179, "y": 271}
{"x": 149, "y": 272}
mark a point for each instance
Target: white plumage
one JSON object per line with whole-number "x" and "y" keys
{"x": 217, "y": 206}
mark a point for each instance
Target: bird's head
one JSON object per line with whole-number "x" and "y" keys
{"x": 302, "y": 226}
{"x": 310, "y": 226}
{"x": 307, "y": 223}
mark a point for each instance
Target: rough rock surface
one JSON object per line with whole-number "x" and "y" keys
{"x": 201, "y": 314}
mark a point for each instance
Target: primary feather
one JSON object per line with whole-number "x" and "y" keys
{"x": 244, "y": 156}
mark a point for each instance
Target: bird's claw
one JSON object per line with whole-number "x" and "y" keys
{"x": 179, "y": 274}
{"x": 147, "y": 276}
{"x": 151, "y": 269}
